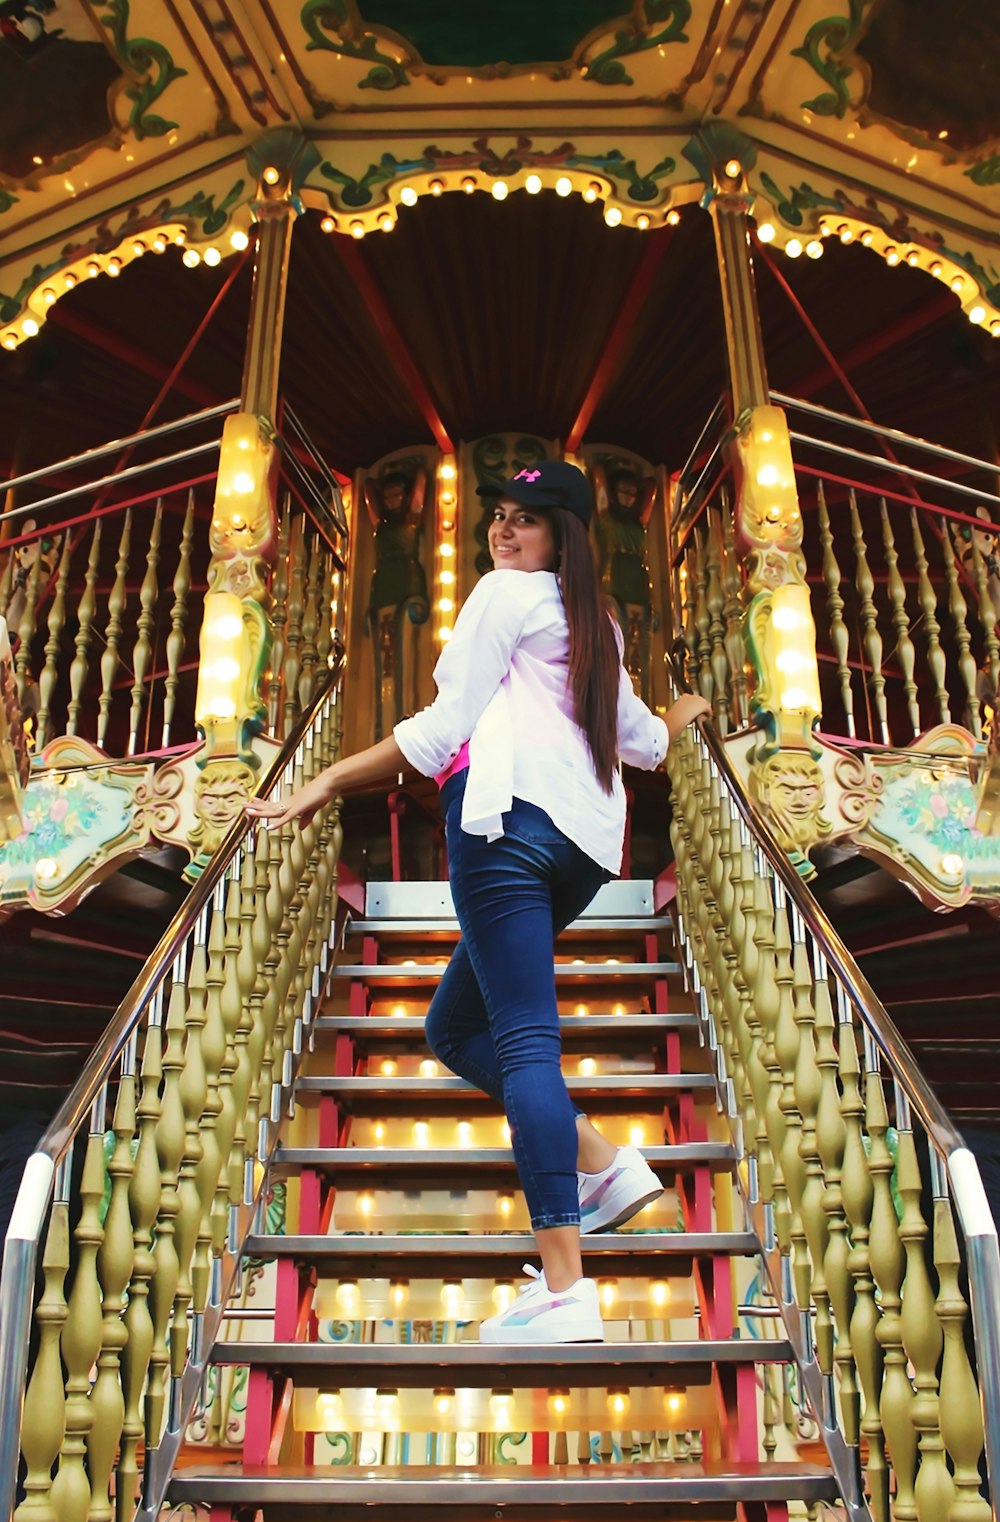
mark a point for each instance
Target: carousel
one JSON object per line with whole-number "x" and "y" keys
{"x": 282, "y": 284}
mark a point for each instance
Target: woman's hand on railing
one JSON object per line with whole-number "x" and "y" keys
{"x": 301, "y": 805}
{"x": 689, "y": 706}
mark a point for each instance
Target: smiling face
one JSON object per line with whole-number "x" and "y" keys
{"x": 521, "y": 539}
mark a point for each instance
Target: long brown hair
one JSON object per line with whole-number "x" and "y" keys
{"x": 593, "y": 652}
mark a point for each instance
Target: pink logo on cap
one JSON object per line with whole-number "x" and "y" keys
{"x": 527, "y": 475}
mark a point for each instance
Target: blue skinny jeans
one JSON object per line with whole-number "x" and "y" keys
{"x": 494, "y": 1019}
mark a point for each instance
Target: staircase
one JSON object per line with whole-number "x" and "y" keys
{"x": 405, "y": 1219}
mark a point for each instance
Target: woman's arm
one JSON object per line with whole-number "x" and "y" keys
{"x": 376, "y": 764}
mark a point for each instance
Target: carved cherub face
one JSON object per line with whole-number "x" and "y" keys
{"x": 394, "y": 492}
{"x": 623, "y": 493}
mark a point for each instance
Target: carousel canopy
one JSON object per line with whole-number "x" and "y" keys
{"x": 500, "y": 212}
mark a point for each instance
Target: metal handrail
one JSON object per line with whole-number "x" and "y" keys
{"x": 896, "y": 435}
{"x": 895, "y": 467}
{"x": 116, "y": 476}
{"x": 20, "y": 1253}
{"x": 128, "y": 442}
{"x": 333, "y": 507}
{"x": 967, "y": 1190}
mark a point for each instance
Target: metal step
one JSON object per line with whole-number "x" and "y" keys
{"x": 629, "y": 1254}
{"x": 414, "y": 1162}
{"x": 473, "y": 1365}
{"x": 398, "y": 974}
{"x": 600, "y": 1489}
{"x": 631, "y": 1025}
{"x": 617, "y": 1085}
{"x": 629, "y": 898}
{"x": 446, "y": 928}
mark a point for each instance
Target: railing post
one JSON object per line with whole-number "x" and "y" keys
{"x": 781, "y": 635}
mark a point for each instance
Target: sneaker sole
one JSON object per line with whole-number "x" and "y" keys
{"x": 625, "y": 1213}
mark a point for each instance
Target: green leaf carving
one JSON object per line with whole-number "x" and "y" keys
{"x": 986, "y": 173}
{"x": 202, "y": 208}
{"x": 608, "y": 69}
{"x": 151, "y": 61}
{"x": 7, "y": 200}
{"x": 641, "y": 186}
{"x": 791, "y": 204}
{"x": 320, "y": 18}
{"x": 358, "y": 192}
{"x": 835, "y": 34}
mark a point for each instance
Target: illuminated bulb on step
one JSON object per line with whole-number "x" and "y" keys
{"x": 659, "y": 1293}
{"x": 502, "y": 1407}
{"x": 503, "y": 1295}
{"x": 618, "y": 1402}
{"x": 366, "y": 1204}
{"x": 399, "y": 1293}
{"x": 444, "y": 1402}
{"x": 348, "y": 1296}
{"x": 607, "y": 1290}
{"x": 558, "y": 1403}
{"x": 330, "y": 1410}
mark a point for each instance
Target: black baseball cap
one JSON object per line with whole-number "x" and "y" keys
{"x": 550, "y": 483}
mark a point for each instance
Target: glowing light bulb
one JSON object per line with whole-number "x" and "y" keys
{"x": 785, "y": 618}
{"x": 46, "y": 868}
{"x": 794, "y": 697}
{"x": 330, "y": 1410}
{"x": 357, "y": 229}
{"x": 892, "y": 256}
{"x": 618, "y": 1009}
{"x": 588, "y": 1067}
{"x": 239, "y": 240}
{"x": 452, "y": 1298}
{"x": 533, "y": 184}
{"x": 581, "y": 1009}
{"x": 558, "y": 1403}
{"x": 444, "y": 1401}
{"x": 429, "y": 1069}
{"x": 192, "y": 258}
{"x": 348, "y": 1296}
{"x": 499, "y": 190}
{"x": 387, "y": 1068}
{"x": 447, "y": 551}
{"x": 612, "y": 216}
{"x": 468, "y": 184}
{"x": 935, "y": 267}
{"x": 378, "y": 1132}
{"x": 846, "y": 234}
{"x": 9, "y": 341}
{"x": 212, "y": 256}
{"x": 48, "y": 296}
{"x": 327, "y": 225}
{"x": 70, "y": 280}
{"x": 814, "y": 249}
{"x": 445, "y": 605}
{"x": 387, "y": 1409}
{"x": 399, "y": 1009}
{"x": 421, "y": 1133}
{"x": 642, "y": 222}
{"x": 636, "y": 1135}
{"x": 271, "y": 176}
{"x": 464, "y": 1132}
{"x": 114, "y": 266}
{"x": 957, "y": 284}
{"x": 564, "y": 185}
{"x": 29, "y": 327}
{"x": 867, "y": 237}
{"x": 592, "y": 192}
{"x": 386, "y": 223}
{"x": 505, "y": 1132}
{"x": 448, "y": 471}
{"x": 399, "y": 1293}
{"x": 408, "y": 195}
{"x": 447, "y": 578}
{"x": 977, "y": 314}
{"x": 618, "y": 1402}
{"x": 437, "y": 187}
{"x": 659, "y": 1292}
{"x": 502, "y": 1407}
{"x": 793, "y": 248}
{"x": 94, "y": 269}
{"x": 366, "y": 1203}
{"x": 913, "y": 258}
{"x": 768, "y": 475}
{"x": 503, "y": 1294}
{"x": 673, "y": 217}
{"x": 674, "y": 1402}
{"x": 733, "y": 169}
{"x": 444, "y": 633}
{"x": 505, "y": 1205}
{"x": 952, "y": 864}
{"x": 607, "y": 1290}
{"x": 788, "y": 660}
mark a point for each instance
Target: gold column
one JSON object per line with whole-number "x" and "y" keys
{"x": 779, "y": 629}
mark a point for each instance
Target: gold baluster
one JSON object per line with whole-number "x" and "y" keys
{"x": 213, "y": 1120}
{"x": 858, "y": 1195}
{"x": 230, "y": 1190}
{"x": 932, "y": 629}
{"x": 7, "y": 583}
{"x": 786, "y": 1051}
{"x": 870, "y": 636}
{"x": 831, "y": 1136}
{"x": 324, "y": 639}
{"x": 81, "y": 1335}
{"x": 960, "y": 1410}
{"x": 144, "y": 1203}
{"x": 771, "y": 1121}
{"x": 293, "y": 625}
{"x": 987, "y": 615}
{"x": 26, "y": 631}
{"x": 85, "y": 618}
{"x": 177, "y": 638}
{"x": 110, "y": 659}
{"x": 770, "y": 1414}
{"x": 279, "y": 618}
{"x": 194, "y": 1091}
{"x": 839, "y": 637}
{"x": 809, "y": 1267}
{"x": 733, "y": 614}
{"x": 716, "y": 623}
{"x": 258, "y": 1045}
{"x": 900, "y": 620}
{"x": 170, "y": 1134}
{"x": 921, "y": 1332}
{"x": 687, "y": 577}
{"x": 310, "y": 624}
{"x": 886, "y": 1257}
{"x": 247, "y": 1076}
{"x": 43, "y": 1425}
{"x": 966, "y": 665}
{"x": 53, "y": 645}
{"x": 701, "y": 617}
{"x": 142, "y": 655}
{"x": 114, "y": 1268}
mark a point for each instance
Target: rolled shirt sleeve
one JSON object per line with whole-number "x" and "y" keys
{"x": 642, "y": 735}
{"x": 469, "y": 671}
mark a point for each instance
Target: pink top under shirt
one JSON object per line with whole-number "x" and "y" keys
{"x": 459, "y": 764}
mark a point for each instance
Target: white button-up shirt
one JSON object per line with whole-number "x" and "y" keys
{"x": 502, "y": 686}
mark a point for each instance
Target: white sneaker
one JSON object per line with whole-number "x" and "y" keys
{"x": 614, "y": 1196}
{"x": 542, "y": 1315}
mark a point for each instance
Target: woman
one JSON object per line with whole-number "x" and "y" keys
{"x": 533, "y": 711}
